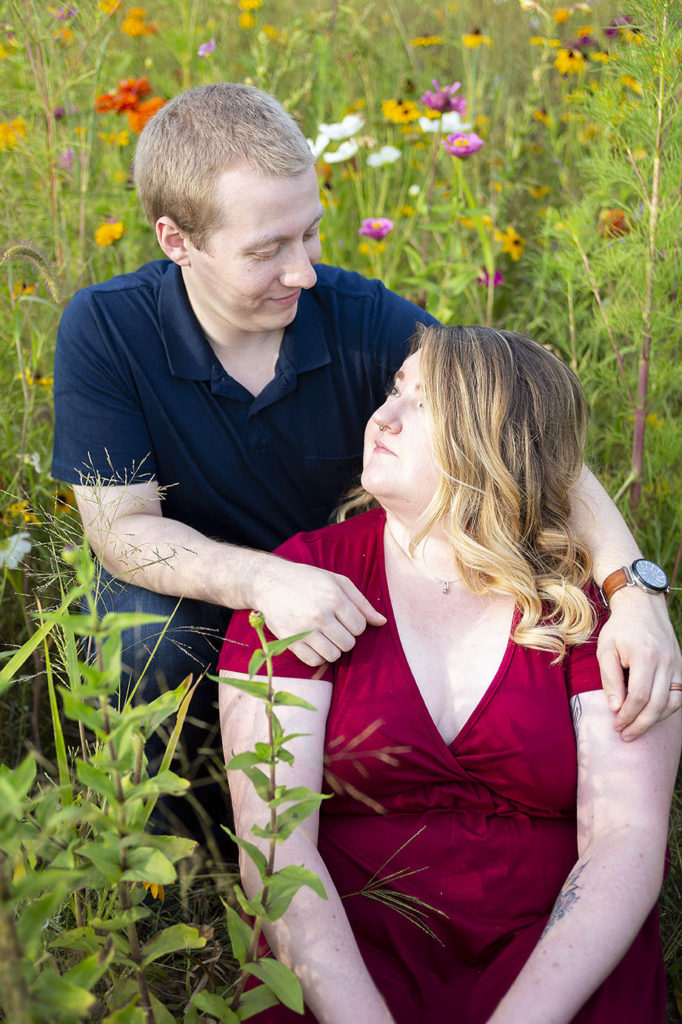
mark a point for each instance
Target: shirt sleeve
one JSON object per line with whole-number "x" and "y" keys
{"x": 100, "y": 431}
{"x": 582, "y": 667}
{"x": 241, "y": 640}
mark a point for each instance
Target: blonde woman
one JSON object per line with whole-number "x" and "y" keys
{"x": 491, "y": 851}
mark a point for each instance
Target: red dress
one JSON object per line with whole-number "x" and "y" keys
{"x": 482, "y": 831}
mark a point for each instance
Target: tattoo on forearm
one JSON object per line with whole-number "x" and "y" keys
{"x": 570, "y": 894}
{"x": 576, "y": 713}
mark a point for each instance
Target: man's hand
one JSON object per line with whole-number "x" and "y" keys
{"x": 639, "y": 636}
{"x": 297, "y": 598}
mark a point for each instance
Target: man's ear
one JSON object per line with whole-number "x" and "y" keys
{"x": 172, "y": 241}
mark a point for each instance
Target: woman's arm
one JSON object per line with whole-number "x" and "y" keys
{"x": 639, "y": 635}
{"x": 313, "y": 937}
{"x": 624, "y": 793}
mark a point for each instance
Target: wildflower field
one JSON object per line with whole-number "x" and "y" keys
{"x": 504, "y": 162}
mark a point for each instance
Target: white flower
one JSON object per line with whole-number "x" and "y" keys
{"x": 13, "y": 549}
{"x": 385, "y": 155}
{"x": 447, "y": 124}
{"x": 351, "y": 124}
{"x": 345, "y": 151}
{"x": 414, "y": 190}
{"x": 33, "y": 459}
{"x": 319, "y": 145}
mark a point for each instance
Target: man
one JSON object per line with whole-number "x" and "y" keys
{"x": 211, "y": 404}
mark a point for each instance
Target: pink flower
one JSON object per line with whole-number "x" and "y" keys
{"x": 206, "y": 48}
{"x": 444, "y": 99}
{"x": 376, "y": 227}
{"x": 463, "y": 144}
{"x": 484, "y": 278}
{"x": 62, "y": 13}
{"x": 66, "y": 159}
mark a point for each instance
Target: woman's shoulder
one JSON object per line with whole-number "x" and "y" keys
{"x": 338, "y": 544}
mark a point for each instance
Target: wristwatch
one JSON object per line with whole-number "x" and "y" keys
{"x": 643, "y": 573}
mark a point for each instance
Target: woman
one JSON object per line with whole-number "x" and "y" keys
{"x": 465, "y": 878}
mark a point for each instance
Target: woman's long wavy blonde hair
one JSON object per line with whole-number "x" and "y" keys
{"x": 508, "y": 422}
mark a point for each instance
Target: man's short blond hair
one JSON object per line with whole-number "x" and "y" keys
{"x": 201, "y": 133}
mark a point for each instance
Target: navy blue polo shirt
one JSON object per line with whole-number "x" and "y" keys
{"x": 139, "y": 394}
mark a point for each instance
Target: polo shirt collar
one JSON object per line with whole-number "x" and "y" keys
{"x": 304, "y": 346}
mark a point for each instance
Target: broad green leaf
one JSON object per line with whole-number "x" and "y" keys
{"x": 254, "y": 687}
{"x": 87, "y": 973}
{"x": 79, "y": 711}
{"x": 164, "y": 782}
{"x": 291, "y": 700}
{"x": 240, "y": 934}
{"x": 255, "y": 1001}
{"x": 256, "y": 855}
{"x": 281, "y": 980}
{"x": 218, "y": 1007}
{"x": 85, "y": 940}
{"x": 58, "y": 999}
{"x": 128, "y": 620}
{"x": 96, "y": 779}
{"x": 148, "y": 865}
{"x": 128, "y": 1014}
{"x": 120, "y": 921}
{"x": 33, "y": 919}
{"x": 254, "y": 907}
{"x": 275, "y": 647}
{"x": 170, "y": 940}
{"x": 284, "y": 884}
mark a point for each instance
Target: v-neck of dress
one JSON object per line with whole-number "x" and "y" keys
{"x": 490, "y": 690}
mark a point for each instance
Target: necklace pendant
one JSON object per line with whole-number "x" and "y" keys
{"x": 445, "y": 586}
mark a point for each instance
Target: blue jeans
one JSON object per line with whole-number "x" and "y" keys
{"x": 191, "y": 643}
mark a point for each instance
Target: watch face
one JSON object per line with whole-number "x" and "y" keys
{"x": 650, "y": 574}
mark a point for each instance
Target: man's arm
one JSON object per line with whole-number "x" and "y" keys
{"x": 136, "y": 543}
{"x": 639, "y": 635}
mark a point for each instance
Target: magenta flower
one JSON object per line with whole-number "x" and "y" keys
{"x": 206, "y": 48}
{"x": 376, "y": 227}
{"x": 65, "y": 160}
{"x": 484, "y": 278}
{"x": 463, "y": 144}
{"x": 444, "y": 99}
{"x": 620, "y": 21}
{"x": 63, "y": 13}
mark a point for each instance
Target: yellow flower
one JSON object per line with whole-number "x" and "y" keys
{"x": 541, "y": 115}
{"x": 512, "y": 243}
{"x": 271, "y": 32}
{"x": 109, "y": 232}
{"x": 21, "y": 288}
{"x": 120, "y": 176}
{"x": 538, "y": 191}
{"x": 157, "y": 891}
{"x": 63, "y": 35}
{"x": 134, "y": 23}
{"x": 481, "y": 121}
{"x": 246, "y": 20}
{"x": 21, "y": 509}
{"x": 427, "y": 41}
{"x": 561, "y": 14}
{"x": 472, "y": 40}
{"x": 569, "y": 62}
{"x": 600, "y": 57}
{"x": 109, "y": 6}
{"x": 585, "y": 30}
{"x": 631, "y": 83}
{"x": 249, "y": 5}
{"x": 400, "y": 111}
{"x": 537, "y": 41}
{"x": 3, "y": 52}
{"x": 407, "y": 211}
{"x": 554, "y": 43}
{"x": 11, "y": 132}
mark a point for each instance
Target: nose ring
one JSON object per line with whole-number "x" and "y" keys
{"x": 383, "y": 426}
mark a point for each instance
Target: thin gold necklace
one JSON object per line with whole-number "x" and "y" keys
{"x": 444, "y": 584}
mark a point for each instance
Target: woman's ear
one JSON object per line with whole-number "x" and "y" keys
{"x": 172, "y": 241}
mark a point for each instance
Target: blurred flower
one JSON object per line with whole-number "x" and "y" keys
{"x": 484, "y": 278}
{"x": 109, "y": 6}
{"x": 400, "y": 111}
{"x": 63, "y": 35}
{"x": 376, "y": 227}
{"x": 612, "y": 224}
{"x": 444, "y": 99}
{"x": 385, "y": 155}
{"x": 62, "y": 13}
{"x": 249, "y": 5}
{"x": 569, "y": 62}
{"x": 157, "y": 890}
{"x": 561, "y": 14}
{"x": 450, "y": 122}
{"x": 345, "y": 151}
{"x": 600, "y": 56}
{"x": 11, "y": 132}
{"x": 22, "y": 288}
{"x": 427, "y": 41}
{"x": 135, "y": 24}
{"x": 22, "y": 510}
{"x": 109, "y": 232}
{"x": 537, "y": 40}
{"x": 65, "y": 500}
{"x": 631, "y": 83}
{"x": 618, "y": 22}
{"x": 59, "y": 113}
{"x": 127, "y": 97}
{"x": 271, "y": 32}
{"x": 541, "y": 115}
{"x": 351, "y": 124}
{"x": 463, "y": 144}
{"x": 539, "y": 191}
{"x": 13, "y": 549}
{"x": 206, "y": 48}
{"x": 246, "y": 20}
{"x": 138, "y": 118}
{"x": 414, "y": 190}
{"x": 65, "y": 160}
{"x": 472, "y": 40}
{"x": 512, "y": 243}
{"x": 319, "y": 145}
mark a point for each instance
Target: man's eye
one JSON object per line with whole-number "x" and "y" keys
{"x": 391, "y": 390}
{"x": 265, "y": 255}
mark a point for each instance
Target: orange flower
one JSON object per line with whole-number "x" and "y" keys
{"x": 612, "y": 224}
{"x": 127, "y": 97}
{"x": 138, "y": 118}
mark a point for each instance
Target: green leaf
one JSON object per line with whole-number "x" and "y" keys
{"x": 218, "y": 1007}
{"x": 164, "y": 782}
{"x": 255, "y": 1001}
{"x": 254, "y": 687}
{"x": 170, "y": 940}
{"x": 148, "y": 865}
{"x": 280, "y": 980}
{"x": 33, "y": 919}
{"x": 284, "y": 884}
{"x": 291, "y": 700}
{"x": 82, "y": 939}
{"x": 120, "y": 921}
{"x": 275, "y": 647}
{"x": 241, "y": 761}
{"x": 79, "y": 711}
{"x": 57, "y": 998}
{"x": 254, "y": 907}
{"x": 87, "y": 973}
{"x": 96, "y": 779}
{"x": 290, "y": 819}
{"x": 260, "y": 781}
{"x": 240, "y": 934}
{"x": 128, "y": 1014}
{"x": 118, "y": 621}
{"x": 256, "y": 855}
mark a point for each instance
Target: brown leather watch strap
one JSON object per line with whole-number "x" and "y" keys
{"x": 614, "y": 581}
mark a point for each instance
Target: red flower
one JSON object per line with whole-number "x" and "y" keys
{"x": 127, "y": 97}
